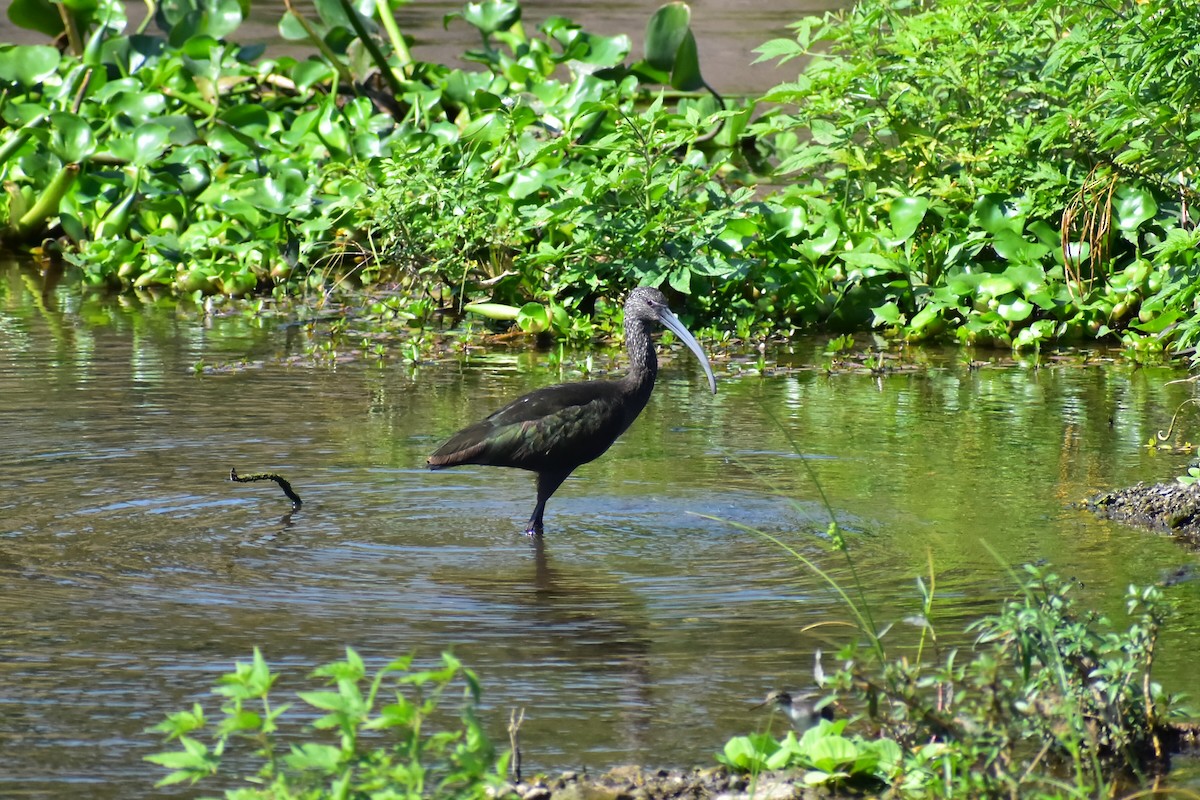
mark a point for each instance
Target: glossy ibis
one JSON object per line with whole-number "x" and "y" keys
{"x": 552, "y": 431}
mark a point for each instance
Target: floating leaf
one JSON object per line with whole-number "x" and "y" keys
{"x": 28, "y": 64}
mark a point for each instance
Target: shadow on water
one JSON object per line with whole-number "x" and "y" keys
{"x": 639, "y": 630}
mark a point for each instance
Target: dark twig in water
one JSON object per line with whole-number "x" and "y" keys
{"x": 269, "y": 476}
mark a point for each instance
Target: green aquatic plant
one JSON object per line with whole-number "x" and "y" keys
{"x": 379, "y": 735}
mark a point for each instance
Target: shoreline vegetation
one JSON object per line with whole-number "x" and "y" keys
{"x": 991, "y": 173}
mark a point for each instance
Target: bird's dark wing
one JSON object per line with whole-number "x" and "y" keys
{"x": 558, "y": 427}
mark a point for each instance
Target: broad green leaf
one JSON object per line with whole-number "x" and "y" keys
{"x": 886, "y": 314}
{"x": 36, "y": 15}
{"x": 491, "y": 16}
{"x": 789, "y": 222}
{"x": 685, "y": 74}
{"x": 28, "y": 64}
{"x": 1014, "y": 308}
{"x": 149, "y": 141}
{"x": 996, "y": 285}
{"x": 533, "y": 318}
{"x": 525, "y": 182}
{"x": 680, "y": 279}
{"x": 905, "y": 214}
{"x": 1133, "y": 207}
{"x": 997, "y": 212}
{"x": 71, "y": 137}
{"x": 665, "y": 32}
{"x": 490, "y": 128}
{"x": 1012, "y": 246}
{"x": 188, "y": 18}
{"x": 831, "y": 753}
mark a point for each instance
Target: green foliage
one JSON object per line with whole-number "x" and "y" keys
{"x": 994, "y": 172}
{"x": 986, "y": 165}
{"x": 1048, "y": 690}
{"x": 827, "y": 757}
{"x": 384, "y": 742}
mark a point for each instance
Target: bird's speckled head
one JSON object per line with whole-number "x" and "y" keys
{"x": 646, "y": 304}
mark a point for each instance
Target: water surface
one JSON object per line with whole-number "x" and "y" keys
{"x": 134, "y": 573}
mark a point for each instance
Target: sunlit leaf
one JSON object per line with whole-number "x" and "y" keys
{"x": 71, "y": 137}
{"x": 491, "y": 16}
{"x": 905, "y": 214}
{"x": 685, "y": 74}
{"x": 665, "y": 32}
{"x": 1133, "y": 207}
{"x": 36, "y": 15}
{"x": 28, "y": 64}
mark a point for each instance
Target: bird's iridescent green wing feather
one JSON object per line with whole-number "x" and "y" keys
{"x": 539, "y": 429}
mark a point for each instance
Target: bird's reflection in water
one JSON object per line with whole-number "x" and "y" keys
{"x": 615, "y": 643}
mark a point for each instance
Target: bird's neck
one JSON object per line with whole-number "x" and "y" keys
{"x": 643, "y": 363}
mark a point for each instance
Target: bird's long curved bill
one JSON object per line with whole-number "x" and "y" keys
{"x": 672, "y": 323}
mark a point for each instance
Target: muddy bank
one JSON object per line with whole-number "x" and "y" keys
{"x": 641, "y": 783}
{"x": 1171, "y": 508}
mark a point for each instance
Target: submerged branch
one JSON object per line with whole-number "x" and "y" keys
{"x": 269, "y": 476}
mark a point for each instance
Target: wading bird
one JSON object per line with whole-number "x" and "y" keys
{"x": 552, "y": 431}
{"x": 805, "y": 709}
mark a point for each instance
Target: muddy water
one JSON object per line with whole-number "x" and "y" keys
{"x": 134, "y": 573}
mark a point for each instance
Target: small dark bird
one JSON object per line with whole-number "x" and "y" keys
{"x": 803, "y": 709}
{"x": 552, "y": 431}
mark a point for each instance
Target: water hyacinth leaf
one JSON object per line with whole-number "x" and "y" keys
{"x": 71, "y": 137}
{"x": 1134, "y": 206}
{"x": 819, "y": 245}
{"x": 996, "y": 285}
{"x": 490, "y": 128}
{"x": 606, "y": 51}
{"x": 790, "y": 222}
{"x": 997, "y": 212}
{"x": 1014, "y": 308}
{"x": 28, "y": 65}
{"x": 145, "y": 145}
{"x": 333, "y": 14}
{"x": 36, "y": 15}
{"x": 139, "y": 106}
{"x": 887, "y": 314}
{"x": 188, "y": 18}
{"x": 332, "y": 131}
{"x": 829, "y": 753}
{"x": 685, "y": 75}
{"x": 526, "y": 181}
{"x": 491, "y": 16}
{"x": 906, "y": 214}
{"x": 737, "y": 234}
{"x": 665, "y": 32}
{"x": 181, "y": 129}
{"x": 533, "y": 318}
{"x": 312, "y": 71}
{"x": 293, "y": 29}
{"x": 1012, "y": 246}
{"x": 248, "y": 118}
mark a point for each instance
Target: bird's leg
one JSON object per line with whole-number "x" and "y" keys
{"x": 547, "y": 483}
